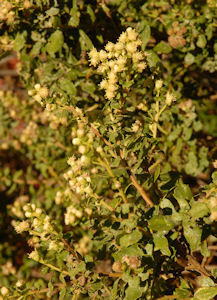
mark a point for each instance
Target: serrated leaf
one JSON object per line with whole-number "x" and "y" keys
{"x": 62, "y": 294}
{"x": 75, "y": 17}
{"x": 152, "y": 59}
{"x": 130, "y": 239}
{"x": 182, "y": 193}
{"x": 114, "y": 291}
{"x": 134, "y": 290}
{"x": 156, "y": 173}
{"x": 206, "y": 293}
{"x": 206, "y": 281}
{"x": 192, "y": 233}
{"x": 189, "y": 58}
{"x": 192, "y": 168}
{"x": 161, "y": 243}
{"x": 198, "y": 210}
{"x": 50, "y": 286}
{"x": 145, "y": 36}
{"x": 163, "y": 47}
{"x": 36, "y": 49}
{"x": 204, "y": 249}
{"x": 201, "y": 42}
{"x": 55, "y": 42}
{"x": 52, "y": 11}
{"x": 85, "y": 41}
{"x": 131, "y": 250}
{"x": 91, "y": 13}
{"x": 160, "y": 223}
{"x": 19, "y": 41}
{"x": 68, "y": 87}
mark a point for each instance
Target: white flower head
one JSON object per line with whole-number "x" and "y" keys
{"x": 34, "y": 255}
{"x": 158, "y": 84}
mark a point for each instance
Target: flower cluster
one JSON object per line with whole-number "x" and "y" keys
{"x": 50, "y": 117}
{"x": 38, "y": 222}
{"x": 84, "y": 245}
{"x": 79, "y": 180}
{"x": 40, "y": 228}
{"x": 6, "y": 43}
{"x": 117, "y": 58}
{"x": 131, "y": 261}
{"x": 6, "y": 12}
{"x": 8, "y": 268}
{"x": 20, "y": 226}
{"x": 29, "y": 133}
{"x": 73, "y": 214}
{"x": 39, "y": 93}
{"x": 16, "y": 208}
{"x": 4, "y": 292}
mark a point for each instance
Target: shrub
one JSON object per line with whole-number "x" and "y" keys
{"x": 108, "y": 161}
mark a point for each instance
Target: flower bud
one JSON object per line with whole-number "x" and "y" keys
{"x": 37, "y": 86}
{"x": 158, "y": 84}
{"x": 76, "y": 141}
{"x": 82, "y": 149}
{"x": 4, "y": 291}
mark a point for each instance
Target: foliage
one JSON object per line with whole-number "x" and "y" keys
{"x": 107, "y": 169}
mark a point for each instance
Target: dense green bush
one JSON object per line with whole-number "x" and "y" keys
{"x": 108, "y": 152}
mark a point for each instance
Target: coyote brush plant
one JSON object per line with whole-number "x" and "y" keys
{"x": 108, "y": 151}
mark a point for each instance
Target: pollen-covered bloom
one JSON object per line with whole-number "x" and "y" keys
{"x": 34, "y": 255}
{"x": 21, "y": 226}
{"x": 118, "y": 58}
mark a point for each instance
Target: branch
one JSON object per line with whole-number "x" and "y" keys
{"x": 140, "y": 190}
{"x": 132, "y": 176}
{"x": 70, "y": 248}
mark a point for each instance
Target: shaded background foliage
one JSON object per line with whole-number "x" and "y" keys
{"x": 52, "y": 39}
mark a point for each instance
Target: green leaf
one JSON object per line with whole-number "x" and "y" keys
{"x": 192, "y": 234}
{"x": 114, "y": 291}
{"x": 36, "y": 49}
{"x": 88, "y": 87}
{"x": 152, "y": 59}
{"x": 163, "y": 47}
{"x": 201, "y": 42}
{"x": 198, "y": 210}
{"x": 204, "y": 249}
{"x": 182, "y": 193}
{"x": 189, "y": 58}
{"x": 131, "y": 250}
{"x": 206, "y": 281}
{"x": 55, "y": 42}
{"x": 214, "y": 177}
{"x": 192, "y": 168}
{"x": 85, "y": 41}
{"x": 62, "y": 294}
{"x": 182, "y": 293}
{"x": 50, "y": 286}
{"x": 134, "y": 291}
{"x": 161, "y": 243}
{"x": 145, "y": 36}
{"x": 63, "y": 255}
{"x": 156, "y": 173}
{"x": 209, "y": 31}
{"x": 130, "y": 239}
{"x": 75, "y": 17}
{"x": 68, "y": 87}
{"x": 91, "y": 13}
{"x": 160, "y": 223}
{"x": 206, "y": 293}
{"x": 19, "y": 41}
{"x": 53, "y": 11}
